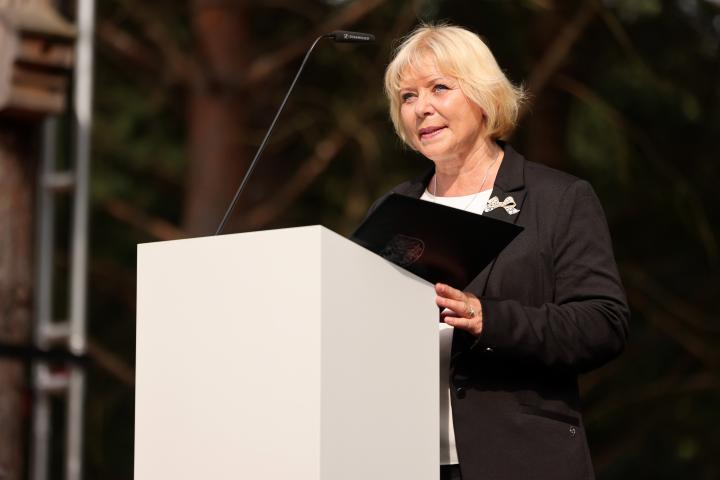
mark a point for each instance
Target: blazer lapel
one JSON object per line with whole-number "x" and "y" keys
{"x": 509, "y": 186}
{"x": 509, "y": 182}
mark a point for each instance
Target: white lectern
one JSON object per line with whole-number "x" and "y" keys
{"x": 286, "y": 354}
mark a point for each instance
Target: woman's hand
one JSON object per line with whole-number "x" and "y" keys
{"x": 463, "y": 309}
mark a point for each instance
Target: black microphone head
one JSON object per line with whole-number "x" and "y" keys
{"x": 351, "y": 37}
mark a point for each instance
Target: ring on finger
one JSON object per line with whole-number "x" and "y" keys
{"x": 470, "y": 311}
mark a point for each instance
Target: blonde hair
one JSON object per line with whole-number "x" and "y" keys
{"x": 462, "y": 55}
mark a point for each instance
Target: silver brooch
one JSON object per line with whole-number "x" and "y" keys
{"x": 508, "y": 204}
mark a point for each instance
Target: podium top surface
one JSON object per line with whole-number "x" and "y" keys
{"x": 229, "y": 236}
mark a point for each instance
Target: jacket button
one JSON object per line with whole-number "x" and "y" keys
{"x": 489, "y": 349}
{"x": 460, "y": 392}
{"x": 572, "y": 432}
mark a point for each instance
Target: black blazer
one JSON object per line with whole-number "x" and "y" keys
{"x": 553, "y": 306}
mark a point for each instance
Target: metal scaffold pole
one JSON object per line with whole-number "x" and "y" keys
{"x": 69, "y": 332}
{"x": 83, "y": 95}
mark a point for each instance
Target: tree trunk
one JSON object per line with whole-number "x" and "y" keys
{"x": 17, "y": 167}
{"x": 217, "y": 114}
{"x": 555, "y": 32}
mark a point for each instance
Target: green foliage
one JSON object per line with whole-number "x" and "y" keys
{"x": 633, "y": 10}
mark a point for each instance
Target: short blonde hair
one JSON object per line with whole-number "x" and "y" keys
{"x": 460, "y": 54}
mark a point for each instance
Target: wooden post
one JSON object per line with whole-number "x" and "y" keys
{"x": 17, "y": 179}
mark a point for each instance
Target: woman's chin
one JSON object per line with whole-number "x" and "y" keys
{"x": 434, "y": 151}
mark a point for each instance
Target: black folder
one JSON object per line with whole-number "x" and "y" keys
{"x": 433, "y": 241}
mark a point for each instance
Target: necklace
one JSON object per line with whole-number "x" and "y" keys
{"x": 487, "y": 171}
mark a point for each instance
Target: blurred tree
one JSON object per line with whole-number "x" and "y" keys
{"x": 218, "y": 112}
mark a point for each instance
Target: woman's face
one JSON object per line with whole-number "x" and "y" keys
{"x": 439, "y": 120}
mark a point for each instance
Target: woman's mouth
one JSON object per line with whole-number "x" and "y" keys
{"x": 429, "y": 132}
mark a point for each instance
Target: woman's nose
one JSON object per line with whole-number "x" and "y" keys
{"x": 424, "y": 106}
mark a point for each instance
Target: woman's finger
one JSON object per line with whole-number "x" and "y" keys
{"x": 459, "y": 322}
{"x": 448, "y": 313}
{"x": 449, "y": 292}
{"x": 455, "y": 321}
{"x": 459, "y": 306}
{"x": 472, "y": 325}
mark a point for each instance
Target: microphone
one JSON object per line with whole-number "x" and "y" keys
{"x": 344, "y": 36}
{"x": 338, "y": 36}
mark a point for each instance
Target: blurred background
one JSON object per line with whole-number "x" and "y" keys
{"x": 124, "y": 121}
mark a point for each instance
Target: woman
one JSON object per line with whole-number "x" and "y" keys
{"x": 549, "y": 307}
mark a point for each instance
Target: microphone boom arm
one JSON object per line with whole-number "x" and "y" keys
{"x": 267, "y": 136}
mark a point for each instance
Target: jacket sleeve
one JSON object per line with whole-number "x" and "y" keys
{"x": 586, "y": 325}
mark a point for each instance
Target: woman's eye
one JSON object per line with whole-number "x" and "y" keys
{"x": 441, "y": 86}
{"x": 406, "y": 96}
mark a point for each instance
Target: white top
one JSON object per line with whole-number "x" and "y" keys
{"x": 474, "y": 203}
